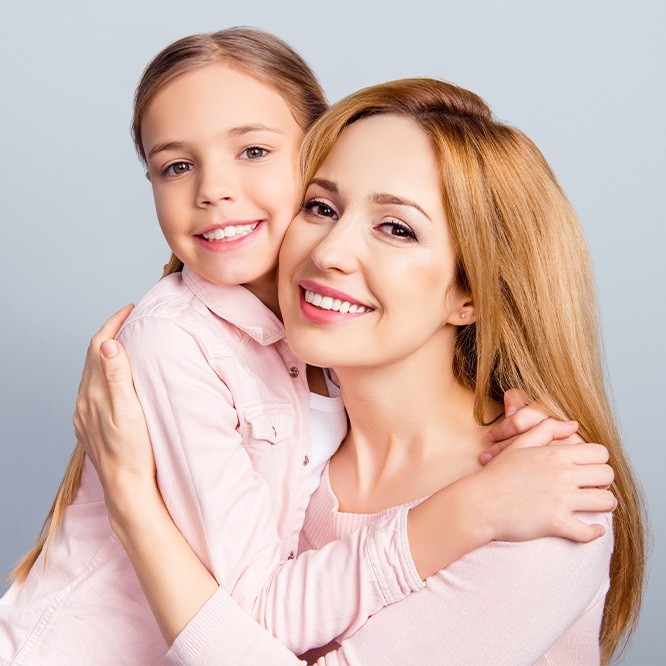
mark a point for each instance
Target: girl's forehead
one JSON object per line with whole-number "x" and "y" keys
{"x": 217, "y": 98}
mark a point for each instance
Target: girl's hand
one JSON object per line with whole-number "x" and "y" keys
{"x": 533, "y": 490}
{"x": 519, "y": 418}
{"x": 109, "y": 421}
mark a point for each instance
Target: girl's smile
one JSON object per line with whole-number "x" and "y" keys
{"x": 222, "y": 151}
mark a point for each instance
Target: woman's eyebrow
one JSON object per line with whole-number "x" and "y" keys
{"x": 327, "y": 185}
{"x": 392, "y": 199}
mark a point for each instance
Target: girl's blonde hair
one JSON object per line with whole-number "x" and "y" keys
{"x": 522, "y": 258}
{"x": 251, "y": 51}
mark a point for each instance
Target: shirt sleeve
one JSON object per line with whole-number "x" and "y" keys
{"x": 505, "y": 603}
{"x": 225, "y": 511}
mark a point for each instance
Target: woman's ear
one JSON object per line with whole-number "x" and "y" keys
{"x": 148, "y": 175}
{"x": 463, "y": 314}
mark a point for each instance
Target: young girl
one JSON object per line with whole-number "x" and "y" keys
{"x": 218, "y": 121}
{"x": 448, "y": 230}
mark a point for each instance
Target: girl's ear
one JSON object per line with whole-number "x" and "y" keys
{"x": 463, "y": 314}
{"x": 148, "y": 175}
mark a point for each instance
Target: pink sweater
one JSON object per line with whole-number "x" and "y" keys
{"x": 505, "y": 603}
{"x": 227, "y": 407}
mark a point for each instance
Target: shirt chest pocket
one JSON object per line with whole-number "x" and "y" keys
{"x": 268, "y": 429}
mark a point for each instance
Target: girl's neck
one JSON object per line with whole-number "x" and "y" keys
{"x": 265, "y": 289}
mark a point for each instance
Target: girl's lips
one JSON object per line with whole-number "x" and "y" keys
{"x": 227, "y": 244}
{"x": 319, "y": 316}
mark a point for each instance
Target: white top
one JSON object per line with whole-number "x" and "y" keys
{"x": 328, "y": 427}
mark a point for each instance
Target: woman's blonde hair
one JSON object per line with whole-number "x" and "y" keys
{"x": 251, "y": 51}
{"x": 522, "y": 258}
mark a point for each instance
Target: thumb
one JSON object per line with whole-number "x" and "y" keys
{"x": 513, "y": 401}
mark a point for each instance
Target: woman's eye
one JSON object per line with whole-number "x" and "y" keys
{"x": 319, "y": 208}
{"x": 397, "y": 230}
{"x": 177, "y": 169}
{"x": 254, "y": 153}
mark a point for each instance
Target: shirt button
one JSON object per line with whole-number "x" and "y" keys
{"x": 291, "y": 555}
{"x": 293, "y": 372}
{"x": 306, "y": 461}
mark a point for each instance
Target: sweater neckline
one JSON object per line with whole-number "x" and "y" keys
{"x": 359, "y": 517}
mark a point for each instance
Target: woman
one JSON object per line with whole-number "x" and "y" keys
{"x": 450, "y": 234}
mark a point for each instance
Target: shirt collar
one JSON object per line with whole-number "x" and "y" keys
{"x": 237, "y": 305}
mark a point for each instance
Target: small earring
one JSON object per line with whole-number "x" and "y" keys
{"x": 463, "y": 315}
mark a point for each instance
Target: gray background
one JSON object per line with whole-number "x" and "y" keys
{"x": 79, "y": 238}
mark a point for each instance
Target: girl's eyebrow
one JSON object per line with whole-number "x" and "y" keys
{"x": 233, "y": 132}
{"x": 166, "y": 145}
{"x": 254, "y": 127}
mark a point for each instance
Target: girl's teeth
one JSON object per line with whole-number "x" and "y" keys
{"x": 335, "y": 304}
{"x": 229, "y": 232}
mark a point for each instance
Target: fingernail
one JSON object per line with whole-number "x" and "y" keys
{"x": 486, "y": 457}
{"x": 109, "y": 348}
{"x": 491, "y": 436}
{"x": 511, "y": 410}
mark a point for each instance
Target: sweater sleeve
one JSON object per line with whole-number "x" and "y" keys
{"x": 505, "y": 603}
{"x": 225, "y": 511}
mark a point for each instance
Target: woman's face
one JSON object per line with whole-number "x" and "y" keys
{"x": 366, "y": 267}
{"x": 222, "y": 150}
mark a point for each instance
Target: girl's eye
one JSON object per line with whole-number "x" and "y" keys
{"x": 177, "y": 169}
{"x": 254, "y": 153}
{"x": 397, "y": 230}
{"x": 319, "y": 208}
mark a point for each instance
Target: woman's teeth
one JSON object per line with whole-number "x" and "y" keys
{"x": 230, "y": 232}
{"x": 328, "y": 303}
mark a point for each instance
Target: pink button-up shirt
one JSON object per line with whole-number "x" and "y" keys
{"x": 227, "y": 406}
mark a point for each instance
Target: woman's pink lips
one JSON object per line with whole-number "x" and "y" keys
{"x": 225, "y": 246}
{"x": 329, "y": 291}
{"x": 319, "y": 316}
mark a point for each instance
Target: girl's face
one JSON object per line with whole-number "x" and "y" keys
{"x": 222, "y": 152}
{"x": 366, "y": 267}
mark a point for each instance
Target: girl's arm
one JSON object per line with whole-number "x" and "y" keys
{"x": 161, "y": 556}
{"x": 226, "y": 511}
{"x": 505, "y": 603}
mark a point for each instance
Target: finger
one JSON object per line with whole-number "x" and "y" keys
{"x": 112, "y": 325}
{"x": 118, "y": 375}
{"x": 577, "y": 530}
{"x": 587, "y": 454}
{"x": 544, "y": 433}
{"x": 487, "y": 455}
{"x": 594, "y": 476}
{"x": 596, "y": 500}
{"x": 513, "y": 401}
{"x": 110, "y": 328}
{"x": 520, "y": 422}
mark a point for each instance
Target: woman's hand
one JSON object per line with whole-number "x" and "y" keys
{"x": 109, "y": 421}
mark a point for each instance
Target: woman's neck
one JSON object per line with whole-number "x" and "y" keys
{"x": 412, "y": 431}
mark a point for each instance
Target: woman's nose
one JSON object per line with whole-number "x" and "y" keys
{"x": 215, "y": 186}
{"x": 338, "y": 249}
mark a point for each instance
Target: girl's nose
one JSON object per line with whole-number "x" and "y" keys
{"x": 215, "y": 186}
